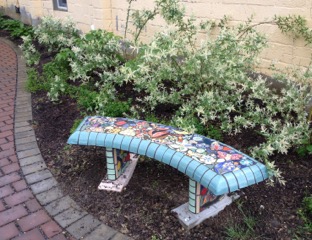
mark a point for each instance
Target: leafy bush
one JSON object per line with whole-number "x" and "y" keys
{"x": 96, "y": 53}
{"x": 86, "y": 98}
{"x": 305, "y": 212}
{"x": 35, "y": 82}
{"x": 30, "y": 53}
{"x": 114, "y": 109}
{"x": 16, "y": 28}
{"x": 212, "y": 82}
{"x": 56, "y": 74}
{"x": 56, "y": 33}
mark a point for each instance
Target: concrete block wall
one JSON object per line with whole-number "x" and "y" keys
{"x": 84, "y": 12}
{"x": 111, "y": 15}
{"x": 283, "y": 50}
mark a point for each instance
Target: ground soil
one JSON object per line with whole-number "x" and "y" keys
{"x": 143, "y": 210}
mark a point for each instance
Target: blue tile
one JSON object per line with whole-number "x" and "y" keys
{"x": 100, "y": 140}
{"x": 185, "y": 161}
{"x": 192, "y": 202}
{"x": 176, "y": 159}
{"x": 151, "y": 150}
{"x": 92, "y": 139}
{"x": 73, "y": 139}
{"x": 111, "y": 177}
{"x": 192, "y": 189}
{"x": 200, "y": 171}
{"x": 240, "y": 176}
{"x": 206, "y": 178}
{"x": 249, "y": 175}
{"x": 192, "y": 195}
{"x": 218, "y": 185}
{"x": 111, "y": 172}
{"x": 232, "y": 182}
{"x": 134, "y": 145}
{"x": 263, "y": 170}
{"x": 83, "y": 138}
{"x": 191, "y": 169}
{"x": 117, "y": 141}
{"x": 168, "y": 155}
{"x": 192, "y": 183}
{"x": 109, "y": 140}
{"x": 125, "y": 144}
{"x": 109, "y": 161}
{"x": 192, "y": 209}
{"x": 143, "y": 147}
{"x": 109, "y": 152}
{"x": 257, "y": 173}
{"x": 160, "y": 152}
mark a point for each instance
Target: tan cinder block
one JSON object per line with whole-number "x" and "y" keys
{"x": 98, "y": 13}
{"x": 251, "y": 2}
{"x": 2, "y": 3}
{"x": 294, "y": 4}
{"x": 107, "y": 15}
{"x": 303, "y": 52}
{"x": 100, "y": 4}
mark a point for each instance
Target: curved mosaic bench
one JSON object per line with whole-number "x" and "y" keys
{"x": 214, "y": 168}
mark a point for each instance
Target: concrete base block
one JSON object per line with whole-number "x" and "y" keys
{"x": 123, "y": 180}
{"x": 190, "y": 220}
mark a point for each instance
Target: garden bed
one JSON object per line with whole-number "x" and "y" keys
{"x": 143, "y": 210}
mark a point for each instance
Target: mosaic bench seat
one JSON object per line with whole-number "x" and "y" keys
{"x": 214, "y": 169}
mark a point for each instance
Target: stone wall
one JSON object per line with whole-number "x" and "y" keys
{"x": 111, "y": 15}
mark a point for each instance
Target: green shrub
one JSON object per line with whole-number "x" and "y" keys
{"x": 16, "y": 28}
{"x": 34, "y": 82}
{"x": 115, "y": 109}
{"x": 86, "y": 98}
{"x": 30, "y": 53}
{"x": 56, "y": 74}
{"x": 96, "y": 53}
{"x": 212, "y": 83}
{"x": 305, "y": 212}
{"x": 56, "y": 34}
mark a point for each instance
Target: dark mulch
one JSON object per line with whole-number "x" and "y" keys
{"x": 144, "y": 209}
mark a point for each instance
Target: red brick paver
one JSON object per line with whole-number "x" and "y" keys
{"x": 9, "y": 231}
{"x": 21, "y": 216}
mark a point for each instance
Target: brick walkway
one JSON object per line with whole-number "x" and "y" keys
{"x": 21, "y": 215}
{"x": 32, "y": 206}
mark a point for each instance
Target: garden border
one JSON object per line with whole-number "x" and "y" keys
{"x": 40, "y": 180}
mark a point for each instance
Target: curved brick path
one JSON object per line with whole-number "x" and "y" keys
{"x": 32, "y": 206}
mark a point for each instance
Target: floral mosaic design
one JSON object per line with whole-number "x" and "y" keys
{"x": 206, "y": 198}
{"x": 122, "y": 161}
{"x": 217, "y": 156}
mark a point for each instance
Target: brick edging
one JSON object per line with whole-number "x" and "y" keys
{"x": 44, "y": 186}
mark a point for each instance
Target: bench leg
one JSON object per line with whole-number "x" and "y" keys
{"x": 116, "y": 161}
{"x": 120, "y": 167}
{"x": 200, "y": 198}
{"x": 201, "y": 205}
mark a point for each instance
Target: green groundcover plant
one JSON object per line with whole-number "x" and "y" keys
{"x": 209, "y": 82}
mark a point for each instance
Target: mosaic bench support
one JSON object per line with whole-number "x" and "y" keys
{"x": 120, "y": 168}
{"x": 214, "y": 169}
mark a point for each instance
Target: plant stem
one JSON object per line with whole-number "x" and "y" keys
{"x": 127, "y": 20}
